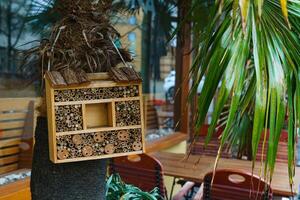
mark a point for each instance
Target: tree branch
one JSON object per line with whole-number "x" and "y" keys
{"x": 21, "y": 28}
{"x": 3, "y": 32}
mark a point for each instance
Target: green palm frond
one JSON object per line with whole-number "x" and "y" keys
{"x": 253, "y": 49}
{"x": 117, "y": 189}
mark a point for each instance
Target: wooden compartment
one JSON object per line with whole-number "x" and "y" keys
{"x": 98, "y": 115}
{"x": 101, "y": 119}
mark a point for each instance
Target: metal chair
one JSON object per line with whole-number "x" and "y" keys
{"x": 198, "y": 149}
{"x": 141, "y": 170}
{"x": 235, "y": 185}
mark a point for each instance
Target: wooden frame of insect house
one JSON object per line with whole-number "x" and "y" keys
{"x": 100, "y": 119}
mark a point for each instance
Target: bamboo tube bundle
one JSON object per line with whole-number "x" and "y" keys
{"x": 95, "y": 93}
{"x": 65, "y": 119}
{"x": 128, "y": 113}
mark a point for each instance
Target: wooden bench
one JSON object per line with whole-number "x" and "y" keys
{"x": 17, "y": 123}
{"x": 16, "y": 190}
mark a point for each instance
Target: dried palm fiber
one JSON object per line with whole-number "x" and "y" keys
{"x": 81, "y": 39}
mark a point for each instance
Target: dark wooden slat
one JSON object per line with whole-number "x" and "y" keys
{"x": 131, "y": 74}
{"x": 11, "y": 125}
{"x": 9, "y": 159}
{"x": 10, "y": 142}
{"x": 8, "y": 168}
{"x": 9, "y": 151}
{"x": 82, "y": 76}
{"x": 118, "y": 75}
{"x": 56, "y": 78}
{"x": 12, "y": 116}
{"x": 11, "y": 133}
{"x": 69, "y": 76}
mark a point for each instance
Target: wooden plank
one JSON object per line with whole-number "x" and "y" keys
{"x": 11, "y": 125}
{"x": 8, "y": 104}
{"x": 118, "y": 75}
{"x": 51, "y": 121}
{"x": 8, "y": 168}
{"x": 55, "y": 78}
{"x": 9, "y": 159}
{"x": 82, "y": 76}
{"x": 11, "y": 133}
{"x": 113, "y": 113}
{"x": 69, "y": 76}
{"x": 9, "y": 151}
{"x": 142, "y": 117}
{"x": 12, "y": 116}
{"x": 9, "y": 142}
{"x": 98, "y": 76}
{"x": 131, "y": 74}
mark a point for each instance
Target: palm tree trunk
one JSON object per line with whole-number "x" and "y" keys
{"x": 70, "y": 181}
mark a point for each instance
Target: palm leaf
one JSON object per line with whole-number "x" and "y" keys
{"x": 259, "y": 70}
{"x": 285, "y": 10}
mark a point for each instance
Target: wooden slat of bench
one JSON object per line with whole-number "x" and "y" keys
{"x": 11, "y": 133}
{"x": 12, "y": 125}
{"x": 151, "y": 127}
{"x": 151, "y": 117}
{"x": 9, "y": 159}
{"x": 152, "y": 122}
{"x": 10, "y": 142}
{"x": 15, "y": 103}
{"x": 9, "y": 151}
{"x": 13, "y": 116}
{"x": 8, "y": 168}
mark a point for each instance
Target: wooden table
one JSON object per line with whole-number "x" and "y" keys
{"x": 173, "y": 165}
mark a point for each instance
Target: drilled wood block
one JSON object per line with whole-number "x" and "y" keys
{"x": 128, "y": 113}
{"x": 95, "y": 120}
{"x": 98, "y": 143}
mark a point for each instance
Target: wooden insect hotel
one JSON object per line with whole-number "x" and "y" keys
{"x": 101, "y": 118}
